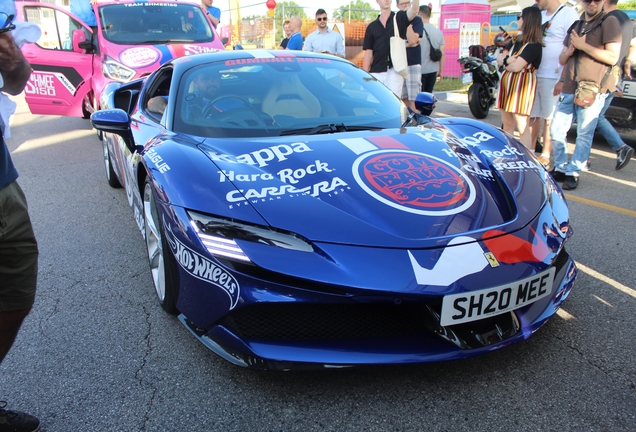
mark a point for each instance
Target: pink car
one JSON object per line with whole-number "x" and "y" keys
{"x": 71, "y": 65}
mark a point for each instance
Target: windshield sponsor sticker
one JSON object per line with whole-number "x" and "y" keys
{"x": 202, "y": 268}
{"x": 139, "y": 56}
{"x": 285, "y": 59}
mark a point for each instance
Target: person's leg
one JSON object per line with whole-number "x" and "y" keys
{"x": 413, "y": 85}
{"x": 428, "y": 82}
{"x": 394, "y": 81}
{"x": 521, "y": 122}
{"x": 18, "y": 264}
{"x": 534, "y": 126}
{"x": 605, "y": 128}
{"x": 586, "y": 120}
{"x": 508, "y": 121}
{"x": 561, "y": 123}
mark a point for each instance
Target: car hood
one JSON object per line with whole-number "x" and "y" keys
{"x": 412, "y": 188}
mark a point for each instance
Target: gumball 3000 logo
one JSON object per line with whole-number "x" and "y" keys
{"x": 414, "y": 182}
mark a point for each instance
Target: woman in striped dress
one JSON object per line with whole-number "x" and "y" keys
{"x": 517, "y": 86}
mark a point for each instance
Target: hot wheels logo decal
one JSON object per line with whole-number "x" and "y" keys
{"x": 139, "y": 56}
{"x": 414, "y": 182}
{"x": 202, "y": 268}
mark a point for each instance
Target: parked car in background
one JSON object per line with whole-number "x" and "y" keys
{"x": 71, "y": 65}
{"x": 622, "y": 111}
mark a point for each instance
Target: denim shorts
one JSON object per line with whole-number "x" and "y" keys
{"x": 18, "y": 251}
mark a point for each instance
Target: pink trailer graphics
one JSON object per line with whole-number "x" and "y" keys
{"x": 72, "y": 62}
{"x": 461, "y": 23}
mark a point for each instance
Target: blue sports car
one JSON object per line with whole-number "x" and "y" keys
{"x": 298, "y": 215}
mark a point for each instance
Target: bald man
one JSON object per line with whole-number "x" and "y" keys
{"x": 296, "y": 39}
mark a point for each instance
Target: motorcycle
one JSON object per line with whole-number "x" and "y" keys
{"x": 481, "y": 72}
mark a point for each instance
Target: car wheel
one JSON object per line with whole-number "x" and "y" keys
{"x": 111, "y": 177}
{"x": 162, "y": 263}
{"x": 85, "y": 113}
{"x": 478, "y": 101}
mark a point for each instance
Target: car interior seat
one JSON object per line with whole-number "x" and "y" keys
{"x": 291, "y": 98}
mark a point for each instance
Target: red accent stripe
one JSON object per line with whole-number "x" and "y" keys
{"x": 510, "y": 249}
{"x": 387, "y": 142}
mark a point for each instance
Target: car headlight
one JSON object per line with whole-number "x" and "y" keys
{"x": 218, "y": 236}
{"x": 117, "y": 71}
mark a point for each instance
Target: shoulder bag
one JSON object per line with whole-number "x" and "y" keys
{"x": 398, "y": 51}
{"x": 434, "y": 54}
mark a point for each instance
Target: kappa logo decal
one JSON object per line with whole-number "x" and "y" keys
{"x": 203, "y": 268}
{"x": 414, "y": 182}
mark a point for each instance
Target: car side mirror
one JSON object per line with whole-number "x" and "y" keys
{"x": 225, "y": 41}
{"x": 80, "y": 44}
{"x": 115, "y": 121}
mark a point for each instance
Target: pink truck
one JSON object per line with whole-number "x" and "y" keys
{"x": 72, "y": 62}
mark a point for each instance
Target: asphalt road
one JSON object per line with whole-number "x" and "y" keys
{"x": 97, "y": 353}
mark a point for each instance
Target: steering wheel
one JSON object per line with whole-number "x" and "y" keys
{"x": 246, "y": 115}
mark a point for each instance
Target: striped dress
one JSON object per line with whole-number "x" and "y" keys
{"x": 517, "y": 89}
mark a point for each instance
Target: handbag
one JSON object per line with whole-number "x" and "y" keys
{"x": 434, "y": 54}
{"x": 398, "y": 52}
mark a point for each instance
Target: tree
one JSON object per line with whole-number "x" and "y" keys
{"x": 627, "y": 5}
{"x": 287, "y": 9}
{"x": 358, "y": 10}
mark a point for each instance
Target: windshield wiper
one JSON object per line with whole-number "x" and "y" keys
{"x": 162, "y": 41}
{"x": 326, "y": 129}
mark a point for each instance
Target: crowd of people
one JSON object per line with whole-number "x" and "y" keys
{"x": 564, "y": 68}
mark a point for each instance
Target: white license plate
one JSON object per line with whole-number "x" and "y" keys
{"x": 467, "y": 78}
{"x": 629, "y": 89}
{"x": 476, "y": 305}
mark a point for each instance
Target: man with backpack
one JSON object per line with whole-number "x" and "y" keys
{"x": 591, "y": 48}
{"x": 432, "y": 70}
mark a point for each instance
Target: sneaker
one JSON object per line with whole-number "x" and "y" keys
{"x": 545, "y": 160}
{"x": 570, "y": 182}
{"x": 623, "y": 156}
{"x": 558, "y": 175}
{"x": 17, "y": 421}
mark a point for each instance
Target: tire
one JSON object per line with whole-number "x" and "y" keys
{"x": 111, "y": 177}
{"x": 163, "y": 266}
{"x": 85, "y": 113}
{"x": 478, "y": 100}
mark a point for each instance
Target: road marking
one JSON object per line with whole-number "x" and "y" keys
{"x": 604, "y": 206}
{"x": 619, "y": 286}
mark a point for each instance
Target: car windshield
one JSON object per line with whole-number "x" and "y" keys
{"x": 154, "y": 23}
{"x": 274, "y": 96}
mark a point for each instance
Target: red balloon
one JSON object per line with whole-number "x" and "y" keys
{"x": 271, "y": 4}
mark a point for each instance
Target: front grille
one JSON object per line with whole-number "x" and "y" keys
{"x": 291, "y": 321}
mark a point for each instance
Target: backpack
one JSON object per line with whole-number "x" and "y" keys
{"x": 477, "y": 51}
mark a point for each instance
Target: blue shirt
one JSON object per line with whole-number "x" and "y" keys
{"x": 83, "y": 9}
{"x": 330, "y": 41}
{"x": 215, "y": 12}
{"x": 8, "y": 173}
{"x": 295, "y": 42}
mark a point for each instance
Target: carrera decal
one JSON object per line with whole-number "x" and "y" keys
{"x": 262, "y": 157}
{"x": 287, "y": 175}
{"x": 446, "y": 270}
{"x": 414, "y": 182}
{"x": 158, "y": 161}
{"x": 138, "y": 57}
{"x": 314, "y": 190}
{"x": 202, "y": 268}
{"x": 48, "y": 84}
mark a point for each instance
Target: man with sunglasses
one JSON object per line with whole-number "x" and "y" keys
{"x": 18, "y": 247}
{"x": 324, "y": 40}
{"x": 556, "y": 19}
{"x": 590, "y": 50}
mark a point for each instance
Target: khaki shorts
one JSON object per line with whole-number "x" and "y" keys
{"x": 18, "y": 251}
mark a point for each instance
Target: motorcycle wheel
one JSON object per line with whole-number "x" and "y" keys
{"x": 478, "y": 100}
